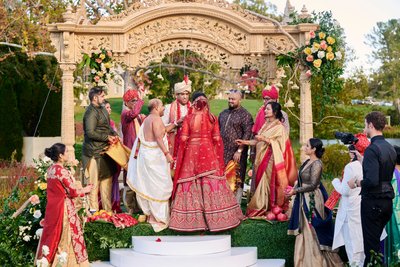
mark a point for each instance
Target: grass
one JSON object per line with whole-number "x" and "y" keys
{"x": 217, "y": 105}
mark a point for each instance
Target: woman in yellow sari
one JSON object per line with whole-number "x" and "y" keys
{"x": 275, "y": 167}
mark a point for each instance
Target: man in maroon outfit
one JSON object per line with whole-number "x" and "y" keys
{"x": 131, "y": 119}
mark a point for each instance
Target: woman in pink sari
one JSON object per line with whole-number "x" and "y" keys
{"x": 274, "y": 165}
{"x": 202, "y": 199}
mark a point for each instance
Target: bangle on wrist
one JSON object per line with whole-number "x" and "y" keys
{"x": 355, "y": 183}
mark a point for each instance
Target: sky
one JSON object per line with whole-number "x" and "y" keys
{"x": 357, "y": 17}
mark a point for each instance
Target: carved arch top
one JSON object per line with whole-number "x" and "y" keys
{"x": 209, "y": 51}
{"x": 194, "y": 27}
{"x": 147, "y": 4}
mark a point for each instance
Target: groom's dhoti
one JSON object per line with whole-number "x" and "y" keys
{"x": 149, "y": 176}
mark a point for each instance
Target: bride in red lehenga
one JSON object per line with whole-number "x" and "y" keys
{"x": 202, "y": 199}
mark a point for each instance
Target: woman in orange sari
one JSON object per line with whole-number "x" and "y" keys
{"x": 275, "y": 167}
{"x": 62, "y": 242}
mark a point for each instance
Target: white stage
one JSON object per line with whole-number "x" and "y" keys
{"x": 186, "y": 251}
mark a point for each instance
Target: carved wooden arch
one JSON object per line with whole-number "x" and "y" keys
{"x": 221, "y": 31}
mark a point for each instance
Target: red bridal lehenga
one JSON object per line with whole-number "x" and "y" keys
{"x": 202, "y": 199}
{"x": 62, "y": 231}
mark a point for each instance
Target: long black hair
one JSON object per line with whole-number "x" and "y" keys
{"x": 317, "y": 144}
{"x": 54, "y": 151}
{"x": 277, "y": 110}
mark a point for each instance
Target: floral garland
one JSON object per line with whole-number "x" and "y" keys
{"x": 311, "y": 214}
{"x": 101, "y": 65}
{"x": 320, "y": 52}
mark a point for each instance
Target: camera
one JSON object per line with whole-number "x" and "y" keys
{"x": 346, "y": 138}
{"x": 349, "y": 140}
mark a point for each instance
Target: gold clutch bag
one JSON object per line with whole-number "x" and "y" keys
{"x": 120, "y": 154}
{"x": 232, "y": 175}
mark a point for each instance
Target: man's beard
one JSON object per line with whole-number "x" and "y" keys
{"x": 231, "y": 107}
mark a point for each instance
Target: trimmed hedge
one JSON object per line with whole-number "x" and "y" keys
{"x": 270, "y": 239}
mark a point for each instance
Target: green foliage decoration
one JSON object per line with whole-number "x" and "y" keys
{"x": 275, "y": 243}
{"x": 18, "y": 234}
{"x": 101, "y": 66}
{"x": 323, "y": 58}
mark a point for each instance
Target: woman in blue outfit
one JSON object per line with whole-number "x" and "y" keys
{"x": 311, "y": 222}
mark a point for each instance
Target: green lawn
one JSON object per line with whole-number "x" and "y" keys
{"x": 217, "y": 105}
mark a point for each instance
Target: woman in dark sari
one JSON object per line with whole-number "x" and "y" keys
{"x": 311, "y": 222}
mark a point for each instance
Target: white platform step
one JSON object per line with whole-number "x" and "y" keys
{"x": 235, "y": 257}
{"x": 181, "y": 245}
{"x": 270, "y": 263}
{"x": 100, "y": 264}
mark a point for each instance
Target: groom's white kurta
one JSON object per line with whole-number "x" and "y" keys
{"x": 149, "y": 175}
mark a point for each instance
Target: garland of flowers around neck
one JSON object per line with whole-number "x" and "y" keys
{"x": 101, "y": 65}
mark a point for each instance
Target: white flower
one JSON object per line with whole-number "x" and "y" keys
{"x": 45, "y": 250}
{"x": 63, "y": 257}
{"x": 22, "y": 229}
{"x": 321, "y": 54}
{"x": 39, "y": 232}
{"x": 26, "y": 238}
{"x": 102, "y": 67}
{"x": 313, "y": 49}
{"x": 93, "y": 71}
{"x": 42, "y": 262}
{"x": 37, "y": 214}
{"x": 338, "y": 55}
{"x": 159, "y": 76}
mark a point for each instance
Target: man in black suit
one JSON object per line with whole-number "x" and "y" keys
{"x": 376, "y": 189}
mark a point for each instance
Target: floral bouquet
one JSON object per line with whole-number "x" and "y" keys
{"x": 101, "y": 67}
{"x": 319, "y": 51}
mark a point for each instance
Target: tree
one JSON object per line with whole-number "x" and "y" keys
{"x": 163, "y": 86}
{"x": 259, "y": 6}
{"x": 24, "y": 23}
{"x": 355, "y": 87}
{"x": 385, "y": 81}
{"x": 10, "y": 123}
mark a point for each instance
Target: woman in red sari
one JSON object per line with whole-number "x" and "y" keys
{"x": 275, "y": 167}
{"x": 62, "y": 242}
{"x": 202, "y": 199}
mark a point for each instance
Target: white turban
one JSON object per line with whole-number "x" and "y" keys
{"x": 183, "y": 86}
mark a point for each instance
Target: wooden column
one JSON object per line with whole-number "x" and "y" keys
{"x": 306, "y": 118}
{"x": 67, "y": 111}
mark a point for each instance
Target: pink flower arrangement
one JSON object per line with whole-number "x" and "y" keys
{"x": 318, "y": 51}
{"x": 34, "y": 200}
